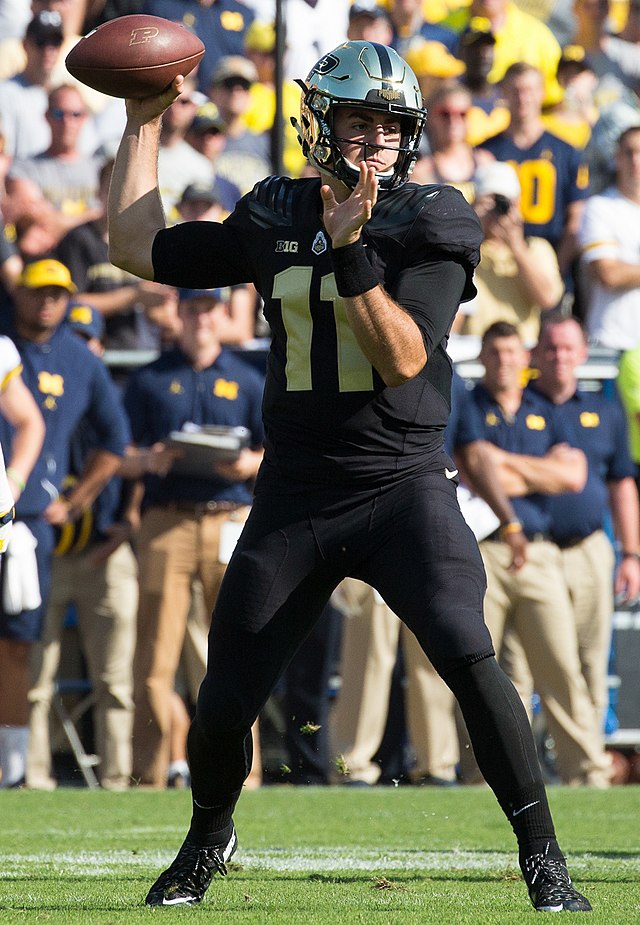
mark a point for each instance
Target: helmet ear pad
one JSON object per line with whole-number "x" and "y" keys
{"x": 367, "y": 75}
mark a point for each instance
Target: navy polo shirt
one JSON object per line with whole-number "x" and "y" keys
{"x": 166, "y": 394}
{"x": 534, "y": 429}
{"x": 67, "y": 382}
{"x": 599, "y": 429}
{"x": 221, "y": 26}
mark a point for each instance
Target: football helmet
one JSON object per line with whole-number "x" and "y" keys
{"x": 362, "y": 74}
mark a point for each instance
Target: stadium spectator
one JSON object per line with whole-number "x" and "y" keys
{"x": 220, "y": 24}
{"x": 518, "y": 278}
{"x": 573, "y": 118}
{"x": 488, "y": 114}
{"x": 19, "y": 410}
{"x": 67, "y": 178}
{"x": 433, "y": 65}
{"x": 452, "y": 159}
{"x": 312, "y": 29}
{"x": 24, "y": 97}
{"x": 260, "y": 48}
{"x": 613, "y": 59}
{"x": 610, "y": 253}
{"x": 126, "y": 303}
{"x": 68, "y": 382}
{"x": 187, "y": 518}
{"x": 553, "y": 175}
{"x": 520, "y": 37}
{"x": 245, "y": 157}
{"x": 578, "y": 520}
{"x": 369, "y": 22}
{"x": 409, "y": 24}
{"x": 179, "y": 164}
{"x": 94, "y": 570}
{"x": 533, "y": 442}
{"x": 207, "y": 135}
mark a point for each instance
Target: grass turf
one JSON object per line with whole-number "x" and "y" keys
{"x": 310, "y": 856}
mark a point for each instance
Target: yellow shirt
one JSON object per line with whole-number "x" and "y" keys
{"x": 261, "y": 113}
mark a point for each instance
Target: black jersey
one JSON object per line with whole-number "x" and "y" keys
{"x": 329, "y": 418}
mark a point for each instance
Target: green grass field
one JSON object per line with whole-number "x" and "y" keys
{"x": 310, "y": 856}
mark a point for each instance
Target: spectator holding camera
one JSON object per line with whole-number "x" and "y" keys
{"x": 518, "y": 277}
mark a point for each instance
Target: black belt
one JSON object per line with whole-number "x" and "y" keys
{"x": 573, "y": 541}
{"x": 496, "y": 537}
{"x": 199, "y": 508}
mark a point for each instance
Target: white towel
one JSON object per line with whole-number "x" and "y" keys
{"x": 21, "y": 585}
{"x": 6, "y": 503}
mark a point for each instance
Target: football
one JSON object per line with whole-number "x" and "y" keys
{"x": 134, "y": 56}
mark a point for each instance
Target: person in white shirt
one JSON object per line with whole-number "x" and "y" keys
{"x": 609, "y": 239}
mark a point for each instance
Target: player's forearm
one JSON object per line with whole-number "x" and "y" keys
{"x": 388, "y": 336}
{"x": 135, "y": 208}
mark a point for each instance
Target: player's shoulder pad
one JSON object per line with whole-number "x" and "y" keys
{"x": 436, "y": 215}
{"x": 272, "y": 201}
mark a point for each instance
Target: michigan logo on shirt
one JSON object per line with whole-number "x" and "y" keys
{"x": 222, "y": 388}
{"x": 589, "y": 419}
{"x": 535, "y": 422}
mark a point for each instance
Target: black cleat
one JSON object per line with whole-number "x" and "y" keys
{"x": 550, "y": 886}
{"x": 186, "y": 881}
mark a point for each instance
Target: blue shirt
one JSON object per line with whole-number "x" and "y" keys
{"x": 221, "y": 26}
{"x": 68, "y": 383}
{"x": 535, "y": 428}
{"x": 599, "y": 429}
{"x": 166, "y": 394}
{"x": 552, "y": 175}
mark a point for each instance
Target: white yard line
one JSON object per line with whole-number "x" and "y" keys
{"x": 98, "y": 863}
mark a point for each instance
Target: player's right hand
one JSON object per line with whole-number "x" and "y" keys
{"x": 151, "y": 107}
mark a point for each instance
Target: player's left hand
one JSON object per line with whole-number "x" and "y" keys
{"x": 343, "y": 220}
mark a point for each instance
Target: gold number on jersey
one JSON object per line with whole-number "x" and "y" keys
{"x": 292, "y": 287}
{"x": 538, "y": 181}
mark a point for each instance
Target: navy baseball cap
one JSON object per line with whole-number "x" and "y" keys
{"x": 187, "y": 295}
{"x": 85, "y": 319}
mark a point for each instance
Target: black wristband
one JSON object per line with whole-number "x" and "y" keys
{"x": 630, "y": 555}
{"x": 353, "y": 272}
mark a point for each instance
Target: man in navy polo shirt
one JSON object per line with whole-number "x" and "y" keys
{"x": 68, "y": 382}
{"x": 578, "y": 519}
{"x": 536, "y": 460}
{"x": 188, "y": 518}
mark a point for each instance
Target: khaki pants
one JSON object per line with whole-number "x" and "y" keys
{"x": 371, "y": 632}
{"x": 535, "y": 603}
{"x": 588, "y": 570}
{"x": 175, "y": 548}
{"x": 106, "y": 599}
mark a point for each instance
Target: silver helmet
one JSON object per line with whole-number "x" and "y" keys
{"x": 362, "y": 74}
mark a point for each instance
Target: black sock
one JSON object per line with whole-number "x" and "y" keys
{"x": 504, "y": 748}
{"x": 212, "y": 825}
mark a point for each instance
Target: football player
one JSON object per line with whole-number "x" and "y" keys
{"x": 361, "y": 273}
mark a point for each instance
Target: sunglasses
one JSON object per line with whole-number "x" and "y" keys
{"x": 232, "y": 83}
{"x": 59, "y": 114}
{"x": 451, "y": 113}
{"x": 46, "y": 42}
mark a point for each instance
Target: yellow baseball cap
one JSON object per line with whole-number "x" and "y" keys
{"x": 431, "y": 59}
{"x": 42, "y": 273}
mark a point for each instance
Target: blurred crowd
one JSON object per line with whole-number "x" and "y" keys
{"x": 534, "y": 115}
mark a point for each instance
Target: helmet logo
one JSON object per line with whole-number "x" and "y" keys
{"x": 389, "y": 95}
{"x": 327, "y": 64}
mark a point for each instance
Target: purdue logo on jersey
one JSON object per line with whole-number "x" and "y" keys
{"x": 286, "y": 247}
{"x": 319, "y": 245}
